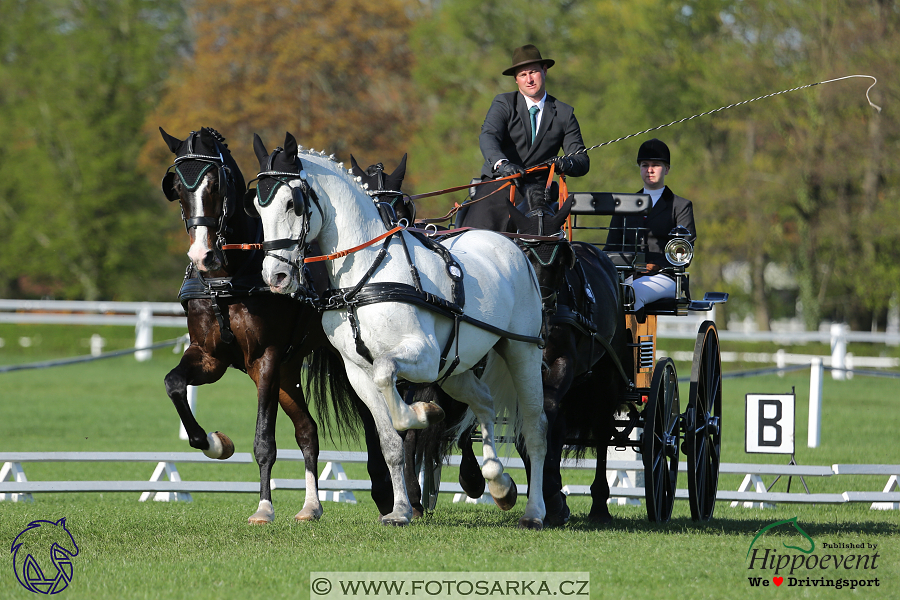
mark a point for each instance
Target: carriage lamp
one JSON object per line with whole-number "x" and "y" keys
{"x": 679, "y": 250}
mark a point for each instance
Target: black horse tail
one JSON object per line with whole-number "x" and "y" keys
{"x": 337, "y": 404}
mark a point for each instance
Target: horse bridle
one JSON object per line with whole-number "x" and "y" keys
{"x": 300, "y": 195}
{"x": 389, "y": 197}
{"x": 225, "y": 182}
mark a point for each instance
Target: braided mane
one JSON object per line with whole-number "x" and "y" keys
{"x": 347, "y": 173}
{"x": 219, "y": 137}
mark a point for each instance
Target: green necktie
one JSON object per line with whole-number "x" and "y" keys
{"x": 533, "y": 111}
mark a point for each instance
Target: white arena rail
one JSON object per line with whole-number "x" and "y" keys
{"x": 335, "y": 486}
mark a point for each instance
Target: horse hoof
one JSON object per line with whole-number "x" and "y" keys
{"x": 534, "y": 524}
{"x": 558, "y": 512}
{"x": 509, "y": 500}
{"x": 309, "y": 514}
{"x": 220, "y": 446}
{"x": 601, "y": 517}
{"x": 428, "y": 413}
{"x": 396, "y": 521}
{"x": 474, "y": 488}
{"x": 265, "y": 514}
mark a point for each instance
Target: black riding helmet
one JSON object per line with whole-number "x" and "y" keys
{"x": 653, "y": 150}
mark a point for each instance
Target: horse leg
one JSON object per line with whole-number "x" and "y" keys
{"x": 382, "y": 490}
{"x": 411, "y": 359}
{"x": 265, "y": 374}
{"x": 600, "y": 490}
{"x": 390, "y": 441}
{"x": 467, "y": 388}
{"x": 470, "y": 477}
{"x": 197, "y": 367}
{"x": 523, "y": 361}
{"x": 306, "y": 432}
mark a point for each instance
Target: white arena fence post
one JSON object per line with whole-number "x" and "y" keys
{"x": 815, "y": 402}
{"x": 838, "y": 351}
{"x": 144, "y": 334}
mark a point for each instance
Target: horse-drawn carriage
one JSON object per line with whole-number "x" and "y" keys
{"x": 649, "y": 401}
{"x": 652, "y": 397}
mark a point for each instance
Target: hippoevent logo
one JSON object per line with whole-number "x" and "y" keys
{"x": 836, "y": 564}
{"x": 42, "y": 556}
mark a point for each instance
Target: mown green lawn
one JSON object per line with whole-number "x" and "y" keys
{"x": 205, "y": 549}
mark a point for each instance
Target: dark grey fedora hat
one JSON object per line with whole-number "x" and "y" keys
{"x": 526, "y": 54}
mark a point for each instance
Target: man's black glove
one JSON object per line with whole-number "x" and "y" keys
{"x": 508, "y": 169}
{"x": 564, "y": 164}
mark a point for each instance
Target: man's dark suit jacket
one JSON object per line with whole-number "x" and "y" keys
{"x": 670, "y": 210}
{"x": 506, "y": 133}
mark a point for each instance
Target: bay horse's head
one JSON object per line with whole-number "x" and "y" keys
{"x": 385, "y": 189}
{"x": 550, "y": 259}
{"x": 206, "y": 181}
{"x": 282, "y": 182}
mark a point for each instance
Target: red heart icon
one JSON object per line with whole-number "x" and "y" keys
{"x": 778, "y": 580}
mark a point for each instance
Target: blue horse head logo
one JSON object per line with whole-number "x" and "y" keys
{"x": 34, "y": 544}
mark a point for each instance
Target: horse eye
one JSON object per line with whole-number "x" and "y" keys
{"x": 289, "y": 206}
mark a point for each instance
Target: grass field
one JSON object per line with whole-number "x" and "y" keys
{"x": 205, "y": 549}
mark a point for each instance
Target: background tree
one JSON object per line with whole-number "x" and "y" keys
{"x": 331, "y": 73}
{"x": 76, "y": 80}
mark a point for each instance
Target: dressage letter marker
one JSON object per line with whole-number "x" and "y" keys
{"x": 770, "y": 424}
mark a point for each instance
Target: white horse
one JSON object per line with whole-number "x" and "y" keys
{"x": 403, "y": 339}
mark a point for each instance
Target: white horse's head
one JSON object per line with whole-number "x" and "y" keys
{"x": 290, "y": 211}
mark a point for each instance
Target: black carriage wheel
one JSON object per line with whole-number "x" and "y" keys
{"x": 703, "y": 423}
{"x": 662, "y": 430}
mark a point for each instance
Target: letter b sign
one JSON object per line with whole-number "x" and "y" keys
{"x": 770, "y": 424}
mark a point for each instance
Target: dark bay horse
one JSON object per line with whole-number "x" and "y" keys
{"x": 585, "y": 320}
{"x": 233, "y": 320}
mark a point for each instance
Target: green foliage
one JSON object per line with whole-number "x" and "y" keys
{"x": 76, "y": 80}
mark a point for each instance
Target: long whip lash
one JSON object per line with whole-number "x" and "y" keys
{"x": 721, "y": 108}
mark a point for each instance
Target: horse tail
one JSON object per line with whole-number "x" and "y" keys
{"x": 337, "y": 404}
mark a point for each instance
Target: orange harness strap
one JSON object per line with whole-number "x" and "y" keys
{"x": 344, "y": 253}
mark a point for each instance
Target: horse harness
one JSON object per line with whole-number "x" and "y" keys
{"x": 365, "y": 293}
{"x": 575, "y": 309}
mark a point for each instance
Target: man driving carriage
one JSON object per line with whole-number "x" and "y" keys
{"x": 522, "y": 129}
{"x": 668, "y": 212}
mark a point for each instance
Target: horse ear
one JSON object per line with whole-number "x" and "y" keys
{"x": 290, "y": 145}
{"x": 171, "y": 142}
{"x": 207, "y": 137}
{"x": 557, "y": 220}
{"x": 354, "y": 166}
{"x": 521, "y": 222}
{"x": 259, "y": 148}
{"x": 400, "y": 172}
